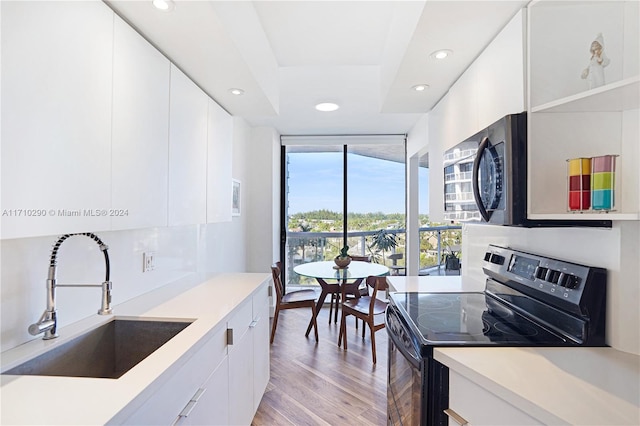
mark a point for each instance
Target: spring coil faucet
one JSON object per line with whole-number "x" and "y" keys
{"x": 48, "y": 322}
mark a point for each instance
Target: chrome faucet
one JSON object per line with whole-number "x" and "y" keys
{"x": 48, "y": 322}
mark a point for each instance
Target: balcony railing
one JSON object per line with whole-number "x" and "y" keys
{"x": 305, "y": 247}
{"x": 459, "y": 196}
{"x": 461, "y": 176}
{"x": 458, "y": 154}
{"x": 462, "y": 215}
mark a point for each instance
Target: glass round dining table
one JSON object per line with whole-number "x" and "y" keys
{"x": 350, "y": 276}
{"x": 329, "y": 271}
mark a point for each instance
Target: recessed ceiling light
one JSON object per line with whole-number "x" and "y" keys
{"x": 163, "y": 5}
{"x": 420, "y": 87}
{"x": 327, "y": 106}
{"x": 441, "y": 54}
{"x": 236, "y": 92}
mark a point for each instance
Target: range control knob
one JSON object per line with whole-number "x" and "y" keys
{"x": 541, "y": 272}
{"x": 497, "y": 259}
{"x": 553, "y": 276}
{"x": 571, "y": 281}
{"x": 562, "y": 281}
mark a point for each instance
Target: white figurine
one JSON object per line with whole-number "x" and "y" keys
{"x": 594, "y": 73}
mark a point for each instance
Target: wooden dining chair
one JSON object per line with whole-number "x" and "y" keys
{"x": 291, "y": 300}
{"x": 368, "y": 308}
{"x": 364, "y": 291}
{"x": 352, "y": 288}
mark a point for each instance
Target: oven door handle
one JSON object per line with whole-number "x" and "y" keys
{"x": 410, "y": 355}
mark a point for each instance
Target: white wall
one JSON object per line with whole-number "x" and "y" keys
{"x": 224, "y": 245}
{"x": 263, "y": 190}
{"x": 418, "y": 137}
{"x": 25, "y": 264}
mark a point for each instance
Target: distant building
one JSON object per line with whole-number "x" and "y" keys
{"x": 459, "y": 204}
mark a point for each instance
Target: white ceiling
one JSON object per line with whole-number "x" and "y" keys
{"x": 289, "y": 55}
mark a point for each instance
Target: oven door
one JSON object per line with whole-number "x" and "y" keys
{"x": 404, "y": 387}
{"x": 417, "y": 387}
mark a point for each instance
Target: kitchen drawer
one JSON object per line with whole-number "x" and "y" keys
{"x": 175, "y": 391}
{"x": 210, "y": 404}
{"x": 240, "y": 320}
{"x": 261, "y": 299}
{"x": 477, "y": 406}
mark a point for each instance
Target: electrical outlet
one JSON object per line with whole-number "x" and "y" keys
{"x": 148, "y": 261}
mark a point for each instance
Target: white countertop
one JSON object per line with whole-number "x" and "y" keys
{"x": 433, "y": 284}
{"x": 72, "y": 400}
{"x": 576, "y": 386}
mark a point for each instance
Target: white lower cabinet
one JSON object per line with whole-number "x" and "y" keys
{"x": 472, "y": 404}
{"x": 210, "y": 404}
{"x": 260, "y": 332}
{"x": 177, "y": 390}
{"x": 241, "y": 366}
{"x": 248, "y": 358}
{"x": 222, "y": 383}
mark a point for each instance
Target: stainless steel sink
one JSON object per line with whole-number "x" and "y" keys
{"x": 108, "y": 351}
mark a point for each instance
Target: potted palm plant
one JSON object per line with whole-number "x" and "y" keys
{"x": 381, "y": 242}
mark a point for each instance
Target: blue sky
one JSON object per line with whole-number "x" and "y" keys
{"x": 315, "y": 182}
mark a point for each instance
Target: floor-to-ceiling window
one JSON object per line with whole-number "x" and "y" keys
{"x": 349, "y": 192}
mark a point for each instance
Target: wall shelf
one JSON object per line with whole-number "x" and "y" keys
{"x": 585, "y": 216}
{"x": 565, "y": 120}
{"x": 619, "y": 96}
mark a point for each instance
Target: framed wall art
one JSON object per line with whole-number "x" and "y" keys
{"x": 235, "y": 198}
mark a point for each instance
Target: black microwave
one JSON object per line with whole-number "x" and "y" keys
{"x": 485, "y": 178}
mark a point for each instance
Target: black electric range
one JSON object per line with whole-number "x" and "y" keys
{"x": 529, "y": 300}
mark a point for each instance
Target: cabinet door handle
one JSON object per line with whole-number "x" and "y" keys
{"x": 192, "y": 403}
{"x": 229, "y": 336}
{"x": 254, "y": 322}
{"x": 456, "y": 417}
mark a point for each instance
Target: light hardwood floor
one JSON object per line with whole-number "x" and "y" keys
{"x": 321, "y": 384}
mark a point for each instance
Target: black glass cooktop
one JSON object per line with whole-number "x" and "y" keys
{"x": 469, "y": 319}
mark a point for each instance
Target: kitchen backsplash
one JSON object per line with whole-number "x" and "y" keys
{"x": 182, "y": 255}
{"x": 615, "y": 249}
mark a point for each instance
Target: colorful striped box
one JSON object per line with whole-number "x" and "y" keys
{"x": 603, "y": 182}
{"x": 579, "y": 183}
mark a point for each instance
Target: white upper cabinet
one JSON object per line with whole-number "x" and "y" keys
{"x": 571, "y": 116}
{"x": 140, "y": 144}
{"x": 187, "y": 151}
{"x": 56, "y": 117}
{"x": 493, "y": 86}
{"x": 500, "y": 78}
{"x": 461, "y": 110}
{"x": 220, "y": 149}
